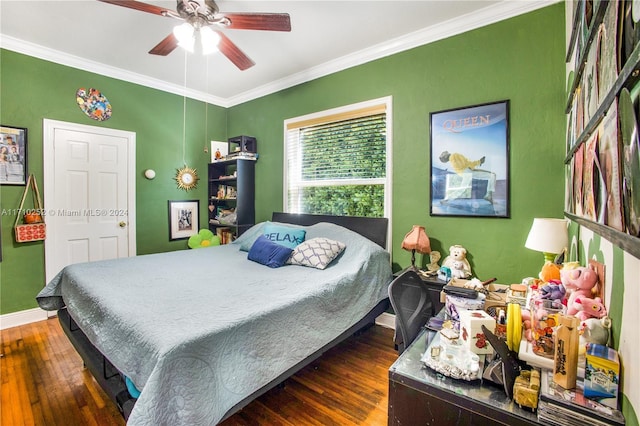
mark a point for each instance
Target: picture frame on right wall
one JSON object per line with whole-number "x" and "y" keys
{"x": 470, "y": 161}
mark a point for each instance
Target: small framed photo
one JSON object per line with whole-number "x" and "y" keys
{"x": 219, "y": 151}
{"x": 470, "y": 161}
{"x": 183, "y": 219}
{"x": 13, "y": 155}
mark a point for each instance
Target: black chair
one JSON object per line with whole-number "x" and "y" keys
{"x": 410, "y": 300}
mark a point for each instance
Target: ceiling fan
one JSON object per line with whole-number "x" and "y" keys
{"x": 198, "y": 17}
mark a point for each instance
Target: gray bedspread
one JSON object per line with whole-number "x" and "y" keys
{"x": 199, "y": 330}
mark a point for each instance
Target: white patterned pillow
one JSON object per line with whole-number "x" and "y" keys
{"x": 316, "y": 252}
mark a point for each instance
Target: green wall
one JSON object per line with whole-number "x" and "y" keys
{"x": 521, "y": 59}
{"x": 34, "y": 89}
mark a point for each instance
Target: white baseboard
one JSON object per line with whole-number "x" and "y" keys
{"x": 15, "y": 319}
{"x": 387, "y": 320}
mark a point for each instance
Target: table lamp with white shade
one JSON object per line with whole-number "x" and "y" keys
{"x": 548, "y": 235}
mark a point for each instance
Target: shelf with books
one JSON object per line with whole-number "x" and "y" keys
{"x": 231, "y": 192}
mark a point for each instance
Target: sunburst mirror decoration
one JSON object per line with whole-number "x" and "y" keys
{"x": 187, "y": 178}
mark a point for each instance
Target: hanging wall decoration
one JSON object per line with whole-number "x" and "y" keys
{"x": 187, "y": 178}
{"x": 93, "y": 103}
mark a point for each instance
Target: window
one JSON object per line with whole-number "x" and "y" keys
{"x": 338, "y": 161}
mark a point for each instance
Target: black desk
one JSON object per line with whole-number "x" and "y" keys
{"x": 420, "y": 396}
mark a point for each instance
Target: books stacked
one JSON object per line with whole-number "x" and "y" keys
{"x": 562, "y": 407}
{"x": 242, "y": 155}
{"x": 225, "y": 235}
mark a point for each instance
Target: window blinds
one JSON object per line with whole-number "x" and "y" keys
{"x": 349, "y": 149}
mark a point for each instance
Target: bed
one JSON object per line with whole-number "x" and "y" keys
{"x": 201, "y": 333}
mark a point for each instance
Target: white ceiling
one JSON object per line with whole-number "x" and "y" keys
{"x": 326, "y": 36}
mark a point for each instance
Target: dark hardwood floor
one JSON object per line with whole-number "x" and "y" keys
{"x": 44, "y": 383}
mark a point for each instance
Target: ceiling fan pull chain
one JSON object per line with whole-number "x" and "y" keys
{"x": 184, "y": 110}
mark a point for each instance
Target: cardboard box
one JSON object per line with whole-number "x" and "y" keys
{"x": 471, "y": 335}
{"x": 602, "y": 375}
{"x": 496, "y": 296}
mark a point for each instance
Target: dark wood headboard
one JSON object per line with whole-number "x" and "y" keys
{"x": 373, "y": 228}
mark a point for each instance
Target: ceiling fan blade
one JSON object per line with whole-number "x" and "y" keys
{"x": 259, "y": 21}
{"x": 166, "y": 46}
{"x": 137, "y": 5}
{"x": 233, "y": 52}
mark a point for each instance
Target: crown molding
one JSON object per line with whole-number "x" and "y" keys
{"x": 52, "y": 55}
{"x": 489, "y": 15}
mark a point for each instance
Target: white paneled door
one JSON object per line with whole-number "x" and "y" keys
{"x": 89, "y": 194}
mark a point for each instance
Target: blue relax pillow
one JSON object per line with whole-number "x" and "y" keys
{"x": 268, "y": 253}
{"x": 284, "y": 235}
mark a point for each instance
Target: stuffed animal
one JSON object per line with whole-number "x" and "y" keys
{"x": 550, "y": 271}
{"x": 578, "y": 282}
{"x": 526, "y": 324}
{"x": 457, "y": 262}
{"x": 458, "y": 270}
{"x": 594, "y": 330}
{"x": 553, "y": 291}
{"x": 588, "y": 308}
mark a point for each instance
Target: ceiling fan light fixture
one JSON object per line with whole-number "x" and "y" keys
{"x": 185, "y": 33}
{"x": 198, "y": 14}
{"x": 209, "y": 39}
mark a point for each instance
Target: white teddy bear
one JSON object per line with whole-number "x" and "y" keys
{"x": 457, "y": 262}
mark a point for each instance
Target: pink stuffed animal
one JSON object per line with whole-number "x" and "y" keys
{"x": 589, "y": 308}
{"x": 578, "y": 282}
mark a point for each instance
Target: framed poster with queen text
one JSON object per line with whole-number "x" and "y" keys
{"x": 470, "y": 161}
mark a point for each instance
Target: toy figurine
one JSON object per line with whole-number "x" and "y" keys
{"x": 433, "y": 266}
{"x": 594, "y": 330}
{"x": 444, "y": 274}
{"x": 457, "y": 262}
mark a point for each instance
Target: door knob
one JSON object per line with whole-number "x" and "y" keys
{"x": 122, "y": 224}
